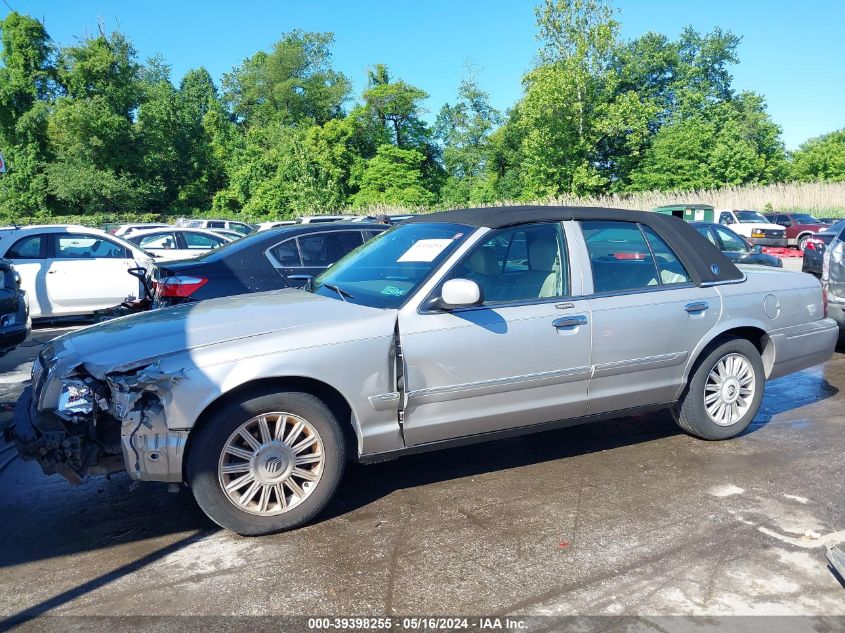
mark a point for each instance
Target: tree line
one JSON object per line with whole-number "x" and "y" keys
{"x": 89, "y": 129}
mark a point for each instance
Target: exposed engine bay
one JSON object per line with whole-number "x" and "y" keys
{"x": 103, "y": 422}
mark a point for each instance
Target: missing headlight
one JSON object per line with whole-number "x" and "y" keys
{"x": 76, "y": 398}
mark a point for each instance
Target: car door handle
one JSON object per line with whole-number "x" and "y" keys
{"x": 696, "y": 306}
{"x": 570, "y": 321}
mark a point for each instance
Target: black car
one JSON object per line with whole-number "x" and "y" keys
{"x": 814, "y": 253}
{"x": 284, "y": 257}
{"x": 15, "y": 324}
{"x": 734, "y": 246}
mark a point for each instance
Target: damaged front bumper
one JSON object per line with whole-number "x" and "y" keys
{"x": 108, "y": 424}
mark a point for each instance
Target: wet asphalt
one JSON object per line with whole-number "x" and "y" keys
{"x": 628, "y": 516}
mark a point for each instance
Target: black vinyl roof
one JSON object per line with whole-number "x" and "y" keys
{"x": 704, "y": 262}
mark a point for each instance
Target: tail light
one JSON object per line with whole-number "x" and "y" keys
{"x": 178, "y": 287}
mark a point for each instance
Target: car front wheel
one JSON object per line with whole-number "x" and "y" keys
{"x": 724, "y": 392}
{"x": 267, "y": 463}
{"x": 802, "y": 242}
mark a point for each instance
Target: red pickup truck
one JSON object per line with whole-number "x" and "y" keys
{"x": 799, "y": 226}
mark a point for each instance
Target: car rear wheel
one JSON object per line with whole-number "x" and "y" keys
{"x": 267, "y": 463}
{"x": 724, "y": 392}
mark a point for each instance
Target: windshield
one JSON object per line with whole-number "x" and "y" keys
{"x": 391, "y": 266}
{"x": 805, "y": 218}
{"x": 749, "y": 217}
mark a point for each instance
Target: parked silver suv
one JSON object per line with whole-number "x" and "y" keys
{"x": 454, "y": 327}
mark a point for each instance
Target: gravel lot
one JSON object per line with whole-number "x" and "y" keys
{"x": 623, "y": 517}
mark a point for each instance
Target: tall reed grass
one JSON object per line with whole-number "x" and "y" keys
{"x": 824, "y": 199}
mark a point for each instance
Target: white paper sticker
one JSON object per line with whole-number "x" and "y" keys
{"x": 424, "y": 251}
{"x": 699, "y": 215}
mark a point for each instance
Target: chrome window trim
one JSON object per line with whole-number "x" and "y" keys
{"x": 725, "y": 282}
{"x": 567, "y": 303}
{"x": 639, "y": 291}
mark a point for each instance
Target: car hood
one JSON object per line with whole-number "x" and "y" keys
{"x": 140, "y": 339}
{"x": 767, "y": 226}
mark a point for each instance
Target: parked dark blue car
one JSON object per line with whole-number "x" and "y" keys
{"x": 15, "y": 323}
{"x": 734, "y": 246}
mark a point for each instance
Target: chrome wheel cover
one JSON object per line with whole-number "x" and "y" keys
{"x": 271, "y": 463}
{"x": 729, "y": 389}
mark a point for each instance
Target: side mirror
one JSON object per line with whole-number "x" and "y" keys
{"x": 756, "y": 248}
{"x": 460, "y": 293}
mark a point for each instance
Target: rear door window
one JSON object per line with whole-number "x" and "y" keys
{"x": 623, "y": 259}
{"x": 158, "y": 241}
{"x": 240, "y": 227}
{"x": 285, "y": 254}
{"x": 32, "y": 247}
{"x": 730, "y": 242}
{"x": 202, "y": 241}
{"x": 708, "y": 233}
{"x": 324, "y": 249}
{"x": 79, "y": 246}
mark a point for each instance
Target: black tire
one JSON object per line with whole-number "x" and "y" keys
{"x": 690, "y": 412}
{"x": 205, "y": 450}
{"x": 802, "y": 242}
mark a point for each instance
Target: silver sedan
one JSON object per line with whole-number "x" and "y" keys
{"x": 455, "y": 327}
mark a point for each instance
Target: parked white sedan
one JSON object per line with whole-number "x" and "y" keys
{"x": 70, "y": 270}
{"x": 177, "y": 243}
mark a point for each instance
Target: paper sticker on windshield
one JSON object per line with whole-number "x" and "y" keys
{"x": 424, "y": 251}
{"x": 393, "y": 291}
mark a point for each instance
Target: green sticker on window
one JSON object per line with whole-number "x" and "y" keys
{"x": 393, "y": 291}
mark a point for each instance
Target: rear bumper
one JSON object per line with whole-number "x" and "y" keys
{"x": 802, "y": 346}
{"x": 12, "y": 336}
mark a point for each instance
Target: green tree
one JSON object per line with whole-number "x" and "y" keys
{"x": 394, "y": 176}
{"x": 729, "y": 143}
{"x": 465, "y": 129}
{"x": 97, "y": 166}
{"x": 104, "y": 67}
{"x": 397, "y": 105}
{"x": 295, "y": 82}
{"x": 26, "y": 83}
{"x": 564, "y": 97}
{"x": 821, "y": 159}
